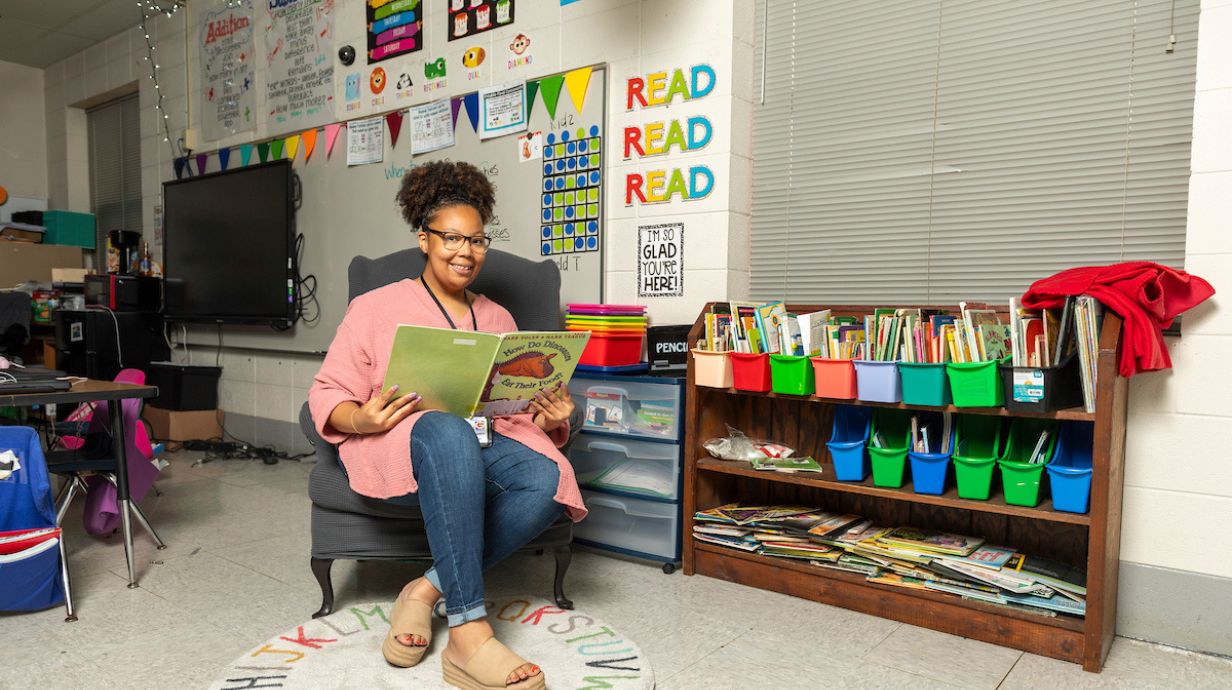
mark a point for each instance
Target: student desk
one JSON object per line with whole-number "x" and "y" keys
{"x": 97, "y": 391}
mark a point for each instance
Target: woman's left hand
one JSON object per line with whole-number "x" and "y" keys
{"x": 552, "y": 408}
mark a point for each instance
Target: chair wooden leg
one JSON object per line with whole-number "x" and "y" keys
{"x": 564, "y": 554}
{"x": 320, "y": 569}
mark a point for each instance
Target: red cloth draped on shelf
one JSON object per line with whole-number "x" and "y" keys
{"x": 1146, "y": 295}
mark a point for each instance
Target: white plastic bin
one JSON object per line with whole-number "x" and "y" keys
{"x": 633, "y": 524}
{"x": 642, "y": 467}
{"x": 644, "y": 409}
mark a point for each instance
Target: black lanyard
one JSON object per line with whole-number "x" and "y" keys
{"x": 444, "y": 313}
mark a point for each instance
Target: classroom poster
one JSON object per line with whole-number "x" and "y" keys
{"x": 431, "y": 127}
{"x": 660, "y": 260}
{"x": 394, "y": 28}
{"x": 298, "y": 50}
{"x": 366, "y": 141}
{"x": 530, "y": 147}
{"x": 572, "y": 180}
{"x": 502, "y": 110}
{"x": 469, "y": 17}
{"x": 226, "y": 67}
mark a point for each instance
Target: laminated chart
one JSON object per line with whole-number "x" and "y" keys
{"x": 572, "y": 177}
{"x": 395, "y": 27}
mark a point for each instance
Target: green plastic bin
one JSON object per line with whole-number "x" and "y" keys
{"x": 69, "y": 228}
{"x": 1020, "y": 479}
{"x": 791, "y": 374}
{"x": 890, "y": 460}
{"x": 924, "y": 383}
{"x": 975, "y": 384}
{"x": 977, "y": 447}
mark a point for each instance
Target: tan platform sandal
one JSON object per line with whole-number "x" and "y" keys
{"x": 488, "y": 669}
{"x": 409, "y": 617}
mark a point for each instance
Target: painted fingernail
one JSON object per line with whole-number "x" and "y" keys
{"x": 393, "y": 387}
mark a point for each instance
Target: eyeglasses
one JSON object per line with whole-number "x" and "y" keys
{"x": 453, "y": 240}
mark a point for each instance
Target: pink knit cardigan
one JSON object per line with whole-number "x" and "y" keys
{"x": 379, "y": 465}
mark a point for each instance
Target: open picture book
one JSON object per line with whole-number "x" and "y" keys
{"x": 491, "y": 374}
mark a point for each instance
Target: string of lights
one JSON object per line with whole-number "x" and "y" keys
{"x": 150, "y": 9}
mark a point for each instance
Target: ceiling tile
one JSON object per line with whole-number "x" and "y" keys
{"x": 48, "y": 15}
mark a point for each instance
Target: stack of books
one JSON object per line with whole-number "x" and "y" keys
{"x": 909, "y": 557}
{"x": 769, "y": 328}
{"x": 1046, "y": 337}
{"x": 930, "y": 336}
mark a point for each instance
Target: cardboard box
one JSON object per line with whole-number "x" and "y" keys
{"x": 22, "y": 261}
{"x": 68, "y": 275}
{"x": 183, "y": 425}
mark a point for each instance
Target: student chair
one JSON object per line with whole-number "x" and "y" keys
{"x": 346, "y": 525}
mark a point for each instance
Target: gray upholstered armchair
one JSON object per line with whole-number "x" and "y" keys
{"x": 350, "y": 526}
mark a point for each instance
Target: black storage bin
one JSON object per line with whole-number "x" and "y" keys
{"x": 1061, "y": 387}
{"x": 184, "y": 386}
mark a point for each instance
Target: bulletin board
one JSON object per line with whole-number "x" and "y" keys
{"x": 546, "y": 209}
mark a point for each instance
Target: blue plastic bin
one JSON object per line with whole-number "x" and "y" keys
{"x": 847, "y": 441}
{"x": 1071, "y": 467}
{"x": 929, "y": 470}
{"x": 878, "y": 381}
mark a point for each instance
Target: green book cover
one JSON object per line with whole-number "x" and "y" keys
{"x": 467, "y": 373}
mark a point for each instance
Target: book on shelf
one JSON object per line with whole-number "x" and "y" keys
{"x": 792, "y": 464}
{"x": 768, "y": 317}
{"x": 986, "y": 556}
{"x": 931, "y": 540}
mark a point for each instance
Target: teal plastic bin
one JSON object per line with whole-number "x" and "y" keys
{"x": 924, "y": 383}
{"x": 69, "y": 228}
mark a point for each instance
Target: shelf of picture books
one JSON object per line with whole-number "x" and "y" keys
{"x": 1018, "y": 360}
{"x": 877, "y": 459}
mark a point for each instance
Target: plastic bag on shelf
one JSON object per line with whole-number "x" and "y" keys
{"x": 737, "y": 446}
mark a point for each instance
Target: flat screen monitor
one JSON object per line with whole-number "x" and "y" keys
{"x": 229, "y": 246}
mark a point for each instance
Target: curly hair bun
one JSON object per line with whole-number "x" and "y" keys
{"x": 432, "y": 186}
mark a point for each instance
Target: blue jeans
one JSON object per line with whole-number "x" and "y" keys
{"x": 479, "y": 505}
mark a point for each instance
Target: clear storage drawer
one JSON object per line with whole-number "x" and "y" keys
{"x": 629, "y": 407}
{"x": 644, "y": 527}
{"x": 641, "y": 467}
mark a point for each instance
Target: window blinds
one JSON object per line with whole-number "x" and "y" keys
{"x": 909, "y": 151}
{"x": 115, "y": 167}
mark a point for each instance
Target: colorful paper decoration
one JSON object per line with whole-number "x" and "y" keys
{"x": 276, "y": 149}
{"x": 394, "y": 28}
{"x": 572, "y": 183}
{"x": 310, "y": 142}
{"x": 179, "y": 163}
{"x": 263, "y": 151}
{"x": 471, "y": 100}
{"x": 245, "y": 154}
{"x": 202, "y": 159}
{"x": 224, "y": 157}
{"x": 550, "y": 88}
{"x": 532, "y": 88}
{"x": 454, "y": 104}
{"x": 331, "y": 135}
{"x": 394, "y": 120}
{"x": 478, "y": 16}
{"x": 576, "y": 82}
{"x": 292, "y": 146}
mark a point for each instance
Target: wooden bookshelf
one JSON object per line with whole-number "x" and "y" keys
{"x": 803, "y": 422}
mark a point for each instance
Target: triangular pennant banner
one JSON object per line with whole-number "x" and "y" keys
{"x": 331, "y": 134}
{"x": 276, "y": 149}
{"x": 202, "y": 159}
{"x": 532, "y": 88}
{"x": 245, "y": 154}
{"x": 310, "y": 142}
{"x": 263, "y": 151}
{"x": 550, "y": 88}
{"x": 292, "y": 146}
{"x": 576, "y": 82}
{"x": 179, "y": 166}
{"x": 394, "y": 120}
{"x": 455, "y": 105}
{"x": 224, "y": 157}
{"x": 471, "y": 100}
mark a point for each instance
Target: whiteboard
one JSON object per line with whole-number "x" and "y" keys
{"x": 351, "y": 211}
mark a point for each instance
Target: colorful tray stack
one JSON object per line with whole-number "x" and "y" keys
{"x": 616, "y": 333}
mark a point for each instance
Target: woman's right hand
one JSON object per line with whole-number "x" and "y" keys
{"x": 383, "y": 412}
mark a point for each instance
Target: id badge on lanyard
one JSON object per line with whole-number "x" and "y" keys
{"x": 483, "y": 429}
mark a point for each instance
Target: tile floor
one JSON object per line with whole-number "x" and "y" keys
{"x": 236, "y": 573}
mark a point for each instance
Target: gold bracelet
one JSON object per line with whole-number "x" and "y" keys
{"x": 357, "y": 431}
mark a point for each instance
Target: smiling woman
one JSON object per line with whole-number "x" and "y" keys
{"x": 392, "y": 449}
